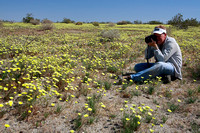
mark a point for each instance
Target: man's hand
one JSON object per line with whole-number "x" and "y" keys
{"x": 153, "y": 44}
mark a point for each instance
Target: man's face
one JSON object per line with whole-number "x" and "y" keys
{"x": 160, "y": 38}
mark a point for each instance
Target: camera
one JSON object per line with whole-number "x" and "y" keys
{"x": 148, "y": 38}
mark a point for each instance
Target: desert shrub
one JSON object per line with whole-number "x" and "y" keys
{"x": 178, "y": 22}
{"x": 137, "y": 22}
{"x": 28, "y": 18}
{"x": 155, "y": 22}
{"x": 79, "y": 23}
{"x": 46, "y": 21}
{"x": 111, "y": 24}
{"x": 1, "y": 24}
{"x": 48, "y": 26}
{"x": 35, "y": 21}
{"x": 67, "y": 21}
{"x": 109, "y": 35}
{"x": 123, "y": 22}
{"x": 95, "y": 23}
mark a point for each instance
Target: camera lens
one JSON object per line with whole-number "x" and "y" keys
{"x": 148, "y": 38}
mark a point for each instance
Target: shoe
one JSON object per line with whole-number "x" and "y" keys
{"x": 122, "y": 79}
{"x": 127, "y": 74}
{"x": 166, "y": 79}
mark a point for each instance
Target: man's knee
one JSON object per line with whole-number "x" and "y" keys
{"x": 165, "y": 68}
{"x": 160, "y": 64}
{"x": 138, "y": 67}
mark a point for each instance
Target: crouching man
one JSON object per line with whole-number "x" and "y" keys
{"x": 167, "y": 54}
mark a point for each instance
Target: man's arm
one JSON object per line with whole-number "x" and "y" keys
{"x": 170, "y": 49}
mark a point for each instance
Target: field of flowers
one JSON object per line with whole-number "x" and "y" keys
{"x": 62, "y": 80}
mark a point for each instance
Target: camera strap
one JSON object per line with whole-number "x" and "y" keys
{"x": 147, "y": 56}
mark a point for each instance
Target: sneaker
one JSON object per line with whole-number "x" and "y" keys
{"x": 166, "y": 79}
{"x": 127, "y": 74}
{"x": 122, "y": 79}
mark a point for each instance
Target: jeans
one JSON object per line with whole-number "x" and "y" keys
{"x": 151, "y": 70}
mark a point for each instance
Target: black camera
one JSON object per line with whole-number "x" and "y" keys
{"x": 148, "y": 38}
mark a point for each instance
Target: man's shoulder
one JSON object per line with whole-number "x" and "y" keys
{"x": 170, "y": 40}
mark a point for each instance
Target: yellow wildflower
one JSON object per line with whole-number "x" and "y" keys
{"x": 169, "y": 110}
{"x": 86, "y": 115}
{"x": 7, "y": 125}
{"x": 20, "y": 102}
{"x": 89, "y": 109}
{"x": 1, "y": 105}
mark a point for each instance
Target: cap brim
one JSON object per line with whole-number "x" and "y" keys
{"x": 158, "y": 32}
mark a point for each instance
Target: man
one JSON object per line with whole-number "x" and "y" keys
{"x": 167, "y": 54}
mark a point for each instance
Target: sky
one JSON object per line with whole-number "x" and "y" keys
{"x": 99, "y": 10}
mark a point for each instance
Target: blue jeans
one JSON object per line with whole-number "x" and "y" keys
{"x": 151, "y": 70}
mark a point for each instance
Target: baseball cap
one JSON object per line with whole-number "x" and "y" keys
{"x": 159, "y": 31}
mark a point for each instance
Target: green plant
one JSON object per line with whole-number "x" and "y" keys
{"x": 112, "y": 115}
{"x": 168, "y": 94}
{"x": 28, "y": 18}
{"x": 46, "y": 115}
{"x": 92, "y": 102}
{"x": 151, "y": 90}
{"x": 78, "y": 122}
{"x": 67, "y": 20}
{"x": 178, "y": 22}
{"x": 107, "y": 85}
{"x": 164, "y": 118}
{"x": 148, "y": 118}
{"x": 91, "y": 120}
{"x": 124, "y": 86}
{"x": 23, "y": 116}
{"x": 95, "y": 23}
{"x": 190, "y": 92}
{"x": 173, "y": 107}
{"x": 190, "y": 100}
{"x": 79, "y": 23}
{"x": 123, "y": 22}
{"x": 155, "y": 22}
{"x": 195, "y": 127}
{"x": 130, "y": 123}
{"x": 198, "y": 89}
{"x": 58, "y": 109}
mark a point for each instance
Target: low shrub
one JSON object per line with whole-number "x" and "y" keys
{"x": 46, "y": 21}
{"x": 123, "y": 22}
{"x": 35, "y": 21}
{"x": 111, "y": 24}
{"x": 48, "y": 26}
{"x": 1, "y": 24}
{"x": 95, "y": 23}
{"x": 79, "y": 23}
{"x": 109, "y": 35}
